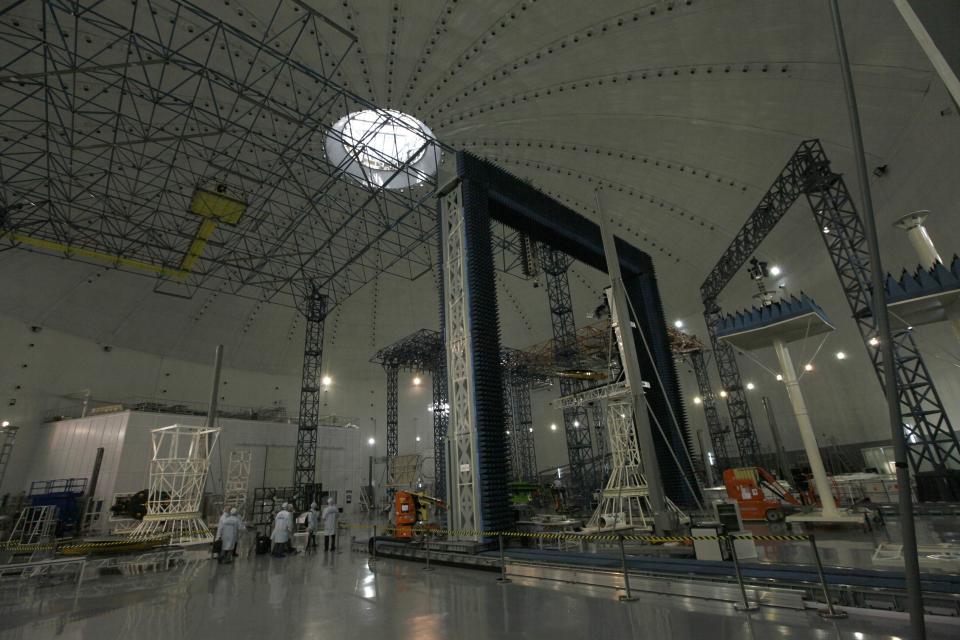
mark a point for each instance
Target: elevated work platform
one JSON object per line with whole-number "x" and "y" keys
{"x": 924, "y": 296}
{"x": 788, "y": 320}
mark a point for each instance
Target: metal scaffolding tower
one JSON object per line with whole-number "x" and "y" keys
{"x": 305, "y": 469}
{"x": 178, "y": 473}
{"x": 718, "y": 432}
{"x": 931, "y": 440}
{"x": 517, "y": 380}
{"x": 418, "y": 352}
{"x": 393, "y": 414}
{"x": 576, "y": 423}
{"x": 238, "y": 476}
{"x": 9, "y": 435}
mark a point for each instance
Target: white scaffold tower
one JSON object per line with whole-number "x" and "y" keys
{"x": 178, "y": 471}
{"x": 238, "y": 476}
{"x": 625, "y": 502}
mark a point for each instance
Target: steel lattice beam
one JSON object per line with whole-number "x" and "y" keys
{"x": 576, "y": 423}
{"x": 931, "y": 440}
{"x": 393, "y": 417}
{"x": 304, "y": 476}
{"x": 718, "y": 432}
{"x": 105, "y": 137}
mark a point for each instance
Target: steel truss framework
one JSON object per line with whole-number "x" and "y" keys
{"x": 517, "y": 383}
{"x": 576, "y": 423}
{"x": 419, "y": 352}
{"x": 115, "y": 113}
{"x": 178, "y": 472}
{"x": 238, "y": 477}
{"x": 305, "y": 467}
{"x": 9, "y": 436}
{"x": 931, "y": 441}
{"x": 718, "y": 432}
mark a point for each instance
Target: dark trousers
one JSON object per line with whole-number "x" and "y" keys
{"x": 226, "y": 556}
{"x": 329, "y": 543}
{"x": 279, "y": 549}
{"x": 311, "y": 540}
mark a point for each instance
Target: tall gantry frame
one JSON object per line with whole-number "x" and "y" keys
{"x": 305, "y": 467}
{"x": 576, "y": 422}
{"x": 931, "y": 441}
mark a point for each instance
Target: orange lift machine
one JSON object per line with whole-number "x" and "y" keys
{"x": 412, "y": 510}
{"x": 746, "y": 485}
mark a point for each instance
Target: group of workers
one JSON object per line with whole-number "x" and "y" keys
{"x": 284, "y": 527}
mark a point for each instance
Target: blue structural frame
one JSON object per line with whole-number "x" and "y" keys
{"x": 490, "y": 193}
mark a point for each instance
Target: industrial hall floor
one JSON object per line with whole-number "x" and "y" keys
{"x": 338, "y": 596}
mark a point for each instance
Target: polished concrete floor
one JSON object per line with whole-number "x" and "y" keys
{"x": 338, "y": 596}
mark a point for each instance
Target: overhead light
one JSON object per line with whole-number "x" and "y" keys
{"x": 327, "y": 381}
{"x": 841, "y": 355}
{"x": 576, "y": 423}
{"x": 751, "y": 386}
{"x": 5, "y": 423}
{"x": 372, "y": 441}
{"x": 874, "y": 341}
{"x": 910, "y": 328}
{"x": 416, "y": 380}
{"x": 553, "y": 427}
{"x": 779, "y": 377}
{"x": 530, "y": 429}
{"x": 826, "y": 229}
{"x": 723, "y": 393}
{"x": 775, "y": 270}
{"x": 697, "y": 400}
{"x": 678, "y": 324}
{"x": 508, "y": 431}
{"x": 808, "y": 366}
{"x": 418, "y": 438}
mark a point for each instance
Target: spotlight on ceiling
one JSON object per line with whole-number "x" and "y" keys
{"x": 5, "y": 423}
{"x": 723, "y": 393}
{"x": 576, "y": 423}
{"x": 779, "y": 377}
{"x": 416, "y": 381}
{"x": 371, "y": 441}
{"x": 697, "y": 400}
{"x": 775, "y": 271}
{"x": 553, "y": 427}
{"x": 507, "y": 432}
{"x": 530, "y": 429}
{"x": 327, "y": 381}
{"x": 751, "y": 386}
{"x": 841, "y": 355}
{"x": 418, "y": 438}
{"x": 808, "y": 366}
{"x": 678, "y": 324}
{"x": 874, "y": 341}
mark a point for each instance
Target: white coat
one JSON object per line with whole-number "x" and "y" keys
{"x": 313, "y": 521}
{"x": 228, "y": 531}
{"x": 329, "y": 517}
{"x": 281, "y": 527}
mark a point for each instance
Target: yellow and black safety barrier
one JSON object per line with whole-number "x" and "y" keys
{"x": 77, "y": 548}
{"x": 575, "y": 536}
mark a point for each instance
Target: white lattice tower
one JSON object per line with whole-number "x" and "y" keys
{"x": 238, "y": 476}
{"x": 624, "y": 503}
{"x": 178, "y": 471}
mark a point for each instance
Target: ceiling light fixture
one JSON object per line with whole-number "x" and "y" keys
{"x": 775, "y": 271}
{"x": 723, "y": 393}
{"x": 808, "y": 366}
{"x": 841, "y": 355}
{"x": 327, "y": 381}
{"x": 751, "y": 386}
{"x": 697, "y": 400}
{"x": 372, "y": 441}
{"x": 553, "y": 427}
{"x": 416, "y": 381}
{"x": 678, "y": 324}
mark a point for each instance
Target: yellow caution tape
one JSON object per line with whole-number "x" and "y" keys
{"x": 609, "y": 537}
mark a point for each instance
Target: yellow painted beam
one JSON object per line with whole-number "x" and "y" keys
{"x": 53, "y": 245}
{"x": 207, "y": 227}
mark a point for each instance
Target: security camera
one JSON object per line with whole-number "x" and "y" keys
{"x": 36, "y": 329}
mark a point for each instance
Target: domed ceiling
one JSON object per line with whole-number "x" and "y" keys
{"x": 681, "y": 111}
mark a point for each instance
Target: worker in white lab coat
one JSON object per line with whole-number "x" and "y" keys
{"x": 329, "y": 519}
{"x": 313, "y": 523}
{"x": 228, "y": 532}
{"x": 281, "y": 532}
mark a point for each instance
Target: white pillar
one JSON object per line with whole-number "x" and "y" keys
{"x": 824, "y": 489}
{"x": 922, "y": 243}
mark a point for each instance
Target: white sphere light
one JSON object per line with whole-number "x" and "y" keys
{"x": 841, "y": 355}
{"x": 697, "y": 400}
{"x": 327, "y": 381}
{"x": 808, "y": 366}
{"x": 553, "y": 427}
{"x": 416, "y": 381}
{"x": 775, "y": 270}
{"x": 678, "y": 324}
{"x": 372, "y": 441}
{"x": 751, "y": 386}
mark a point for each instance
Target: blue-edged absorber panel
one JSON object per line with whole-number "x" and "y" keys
{"x": 788, "y": 320}
{"x": 491, "y": 193}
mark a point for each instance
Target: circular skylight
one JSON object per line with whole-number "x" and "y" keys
{"x": 383, "y": 148}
